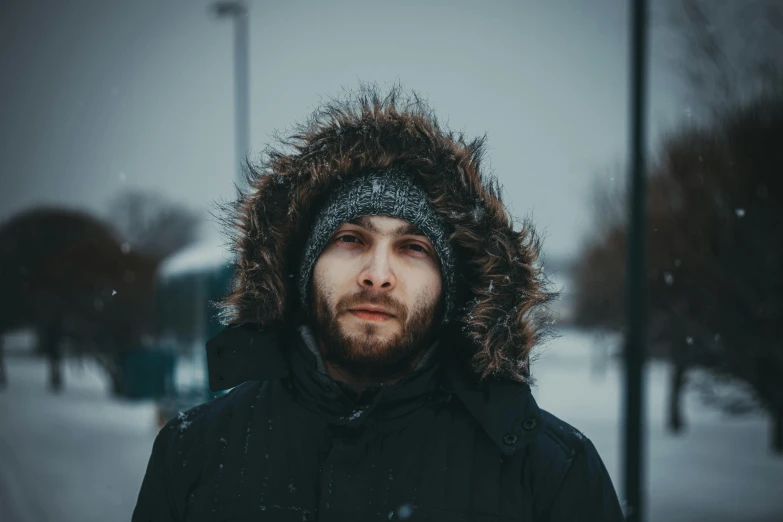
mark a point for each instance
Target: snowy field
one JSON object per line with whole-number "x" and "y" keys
{"x": 74, "y": 457}
{"x": 80, "y": 456}
{"x": 720, "y": 469}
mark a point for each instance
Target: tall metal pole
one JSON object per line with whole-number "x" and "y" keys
{"x": 237, "y": 10}
{"x": 637, "y": 272}
{"x": 241, "y": 88}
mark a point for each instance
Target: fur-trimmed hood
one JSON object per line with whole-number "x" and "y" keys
{"x": 501, "y": 290}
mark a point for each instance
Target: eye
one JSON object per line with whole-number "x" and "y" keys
{"x": 353, "y": 239}
{"x": 417, "y": 248}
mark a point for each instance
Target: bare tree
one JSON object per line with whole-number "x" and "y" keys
{"x": 715, "y": 267}
{"x": 731, "y": 50}
{"x": 64, "y": 273}
{"x": 153, "y": 225}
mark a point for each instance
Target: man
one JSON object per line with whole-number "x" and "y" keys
{"x": 380, "y": 325}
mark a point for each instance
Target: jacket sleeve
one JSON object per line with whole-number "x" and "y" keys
{"x": 586, "y": 493}
{"x": 154, "y": 502}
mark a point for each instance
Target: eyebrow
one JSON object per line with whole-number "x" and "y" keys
{"x": 403, "y": 230}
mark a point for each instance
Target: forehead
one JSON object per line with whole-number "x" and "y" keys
{"x": 386, "y": 226}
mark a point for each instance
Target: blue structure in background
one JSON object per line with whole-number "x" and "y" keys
{"x": 188, "y": 283}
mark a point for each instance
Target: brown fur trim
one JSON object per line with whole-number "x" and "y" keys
{"x": 502, "y": 292}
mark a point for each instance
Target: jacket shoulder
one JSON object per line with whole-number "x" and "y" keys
{"x": 550, "y": 457}
{"x": 555, "y": 451}
{"x": 188, "y": 436}
{"x": 179, "y": 452}
{"x": 570, "y": 479}
{"x": 564, "y": 440}
{"x": 208, "y": 415}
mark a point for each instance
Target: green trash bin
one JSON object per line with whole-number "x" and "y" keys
{"x": 147, "y": 374}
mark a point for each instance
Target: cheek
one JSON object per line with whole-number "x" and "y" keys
{"x": 324, "y": 270}
{"x": 430, "y": 288}
{"x": 329, "y": 276}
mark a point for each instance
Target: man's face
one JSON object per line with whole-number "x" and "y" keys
{"x": 376, "y": 296}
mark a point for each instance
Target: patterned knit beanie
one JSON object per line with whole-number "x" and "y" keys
{"x": 390, "y": 192}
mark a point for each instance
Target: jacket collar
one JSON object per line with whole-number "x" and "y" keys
{"x": 341, "y": 405}
{"x": 244, "y": 352}
{"x": 505, "y": 409}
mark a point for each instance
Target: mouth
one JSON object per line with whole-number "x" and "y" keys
{"x": 372, "y": 314}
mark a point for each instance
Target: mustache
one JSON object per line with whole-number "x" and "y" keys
{"x": 368, "y": 297}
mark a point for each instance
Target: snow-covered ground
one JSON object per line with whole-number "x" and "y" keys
{"x": 74, "y": 457}
{"x": 719, "y": 469}
{"x": 80, "y": 456}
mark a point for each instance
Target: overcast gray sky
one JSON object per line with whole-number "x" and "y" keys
{"x": 102, "y": 96}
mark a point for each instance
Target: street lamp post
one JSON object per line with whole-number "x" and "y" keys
{"x": 634, "y": 352}
{"x": 237, "y": 10}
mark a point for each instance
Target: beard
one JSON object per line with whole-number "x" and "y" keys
{"x": 364, "y": 353}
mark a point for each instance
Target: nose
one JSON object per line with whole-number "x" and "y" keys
{"x": 378, "y": 274}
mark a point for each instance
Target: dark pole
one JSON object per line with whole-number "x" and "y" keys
{"x": 237, "y": 10}
{"x": 241, "y": 100}
{"x": 637, "y": 272}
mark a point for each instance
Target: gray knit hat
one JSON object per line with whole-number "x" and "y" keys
{"x": 391, "y": 192}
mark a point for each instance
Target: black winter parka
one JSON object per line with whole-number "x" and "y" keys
{"x": 289, "y": 443}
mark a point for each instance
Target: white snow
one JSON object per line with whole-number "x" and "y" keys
{"x": 75, "y": 457}
{"x": 720, "y": 469}
{"x": 405, "y": 511}
{"x": 184, "y": 423}
{"x": 477, "y": 213}
{"x": 204, "y": 255}
{"x": 740, "y": 212}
